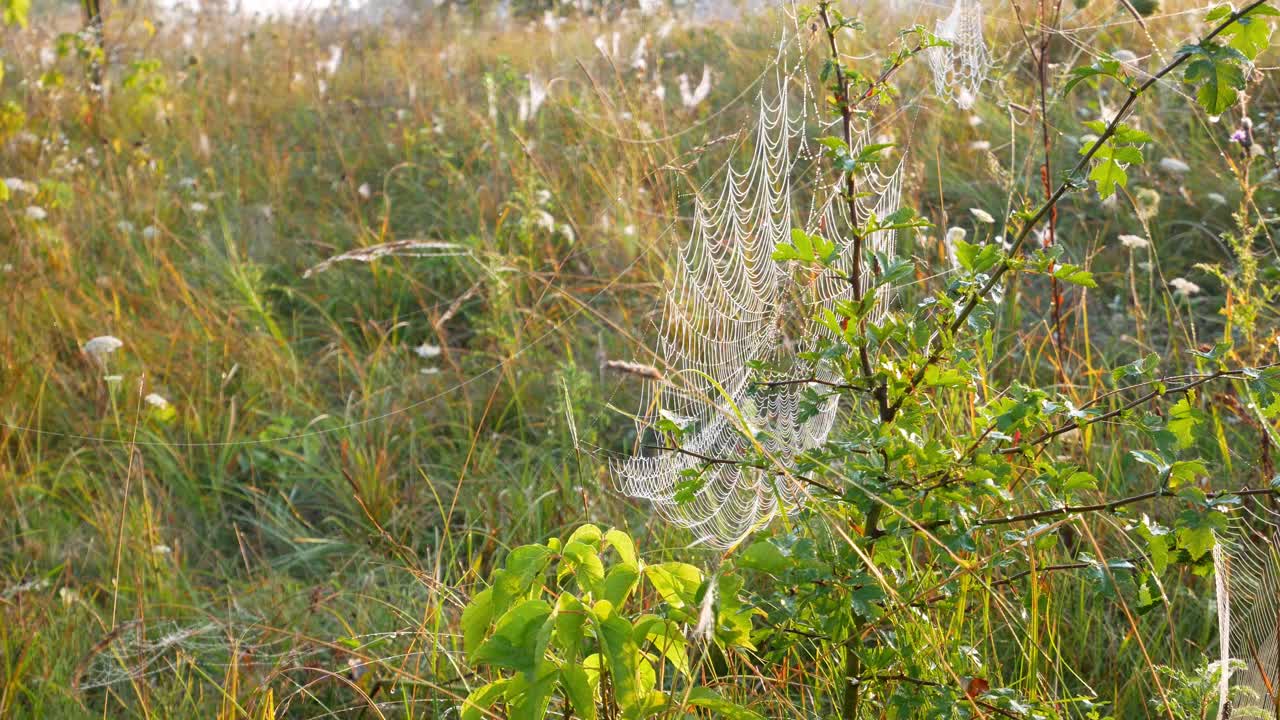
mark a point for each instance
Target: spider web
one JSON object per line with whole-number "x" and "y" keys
{"x": 960, "y": 68}
{"x": 727, "y": 310}
{"x": 1247, "y": 583}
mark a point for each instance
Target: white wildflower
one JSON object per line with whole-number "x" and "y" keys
{"x": 567, "y": 231}
{"x": 125, "y": 226}
{"x": 1184, "y": 287}
{"x": 975, "y": 120}
{"x": 102, "y": 346}
{"x": 951, "y": 241}
{"x": 1217, "y": 198}
{"x": 198, "y": 208}
{"x": 430, "y": 371}
{"x": 329, "y": 66}
{"x": 1134, "y": 242}
{"x": 150, "y": 232}
{"x": 1174, "y": 166}
{"x": 1126, "y": 57}
{"x": 542, "y": 197}
{"x": 980, "y": 145}
{"x": 639, "y": 56}
{"x": 426, "y": 351}
{"x": 538, "y": 92}
{"x": 544, "y": 220}
{"x": 364, "y": 192}
{"x": 36, "y": 213}
{"x": 156, "y": 401}
{"x": 982, "y": 216}
{"x": 18, "y": 185}
{"x": 695, "y": 97}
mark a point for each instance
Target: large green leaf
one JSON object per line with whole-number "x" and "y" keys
{"x": 520, "y": 638}
{"x": 621, "y": 544}
{"x": 571, "y": 618}
{"x": 524, "y": 565}
{"x": 476, "y": 618}
{"x": 622, "y": 659}
{"x": 676, "y": 582}
{"x": 1216, "y": 69}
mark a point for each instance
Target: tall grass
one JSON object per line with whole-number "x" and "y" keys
{"x": 323, "y": 496}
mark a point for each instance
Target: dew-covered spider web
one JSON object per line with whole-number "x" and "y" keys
{"x": 960, "y": 68}
{"x": 1247, "y": 583}
{"x": 730, "y": 306}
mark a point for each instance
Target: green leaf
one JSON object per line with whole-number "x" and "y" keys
{"x": 1157, "y": 537}
{"x": 520, "y": 638}
{"x": 665, "y": 636}
{"x": 1078, "y": 481}
{"x": 477, "y": 704}
{"x": 1108, "y": 175}
{"x": 571, "y": 619}
{"x": 704, "y": 697}
{"x": 579, "y": 690}
{"x": 1196, "y": 530}
{"x": 1250, "y": 33}
{"x": 1183, "y": 419}
{"x": 805, "y": 248}
{"x": 15, "y": 12}
{"x": 524, "y": 565}
{"x": 764, "y": 556}
{"x": 586, "y": 534}
{"x": 676, "y": 582}
{"x": 618, "y": 583}
{"x": 1092, "y": 73}
{"x": 1075, "y": 275}
{"x": 584, "y": 562}
{"x": 1216, "y": 69}
{"x": 529, "y": 695}
{"x": 935, "y": 376}
{"x": 622, "y": 544}
{"x": 622, "y": 659}
{"x": 476, "y": 618}
{"x": 1185, "y": 471}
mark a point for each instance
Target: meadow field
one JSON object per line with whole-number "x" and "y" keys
{"x": 372, "y": 275}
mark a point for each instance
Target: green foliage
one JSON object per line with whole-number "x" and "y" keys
{"x": 15, "y": 12}
{"x": 566, "y": 621}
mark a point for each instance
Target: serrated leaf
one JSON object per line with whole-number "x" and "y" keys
{"x": 1075, "y": 275}
{"x": 1108, "y": 175}
{"x": 1219, "y": 79}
